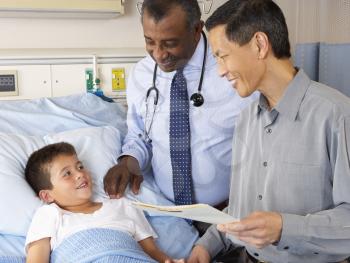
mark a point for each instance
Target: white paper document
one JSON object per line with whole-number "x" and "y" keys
{"x": 197, "y": 212}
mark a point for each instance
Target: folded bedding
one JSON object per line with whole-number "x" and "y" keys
{"x": 99, "y": 245}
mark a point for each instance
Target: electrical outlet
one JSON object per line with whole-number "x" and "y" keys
{"x": 118, "y": 79}
{"x": 89, "y": 80}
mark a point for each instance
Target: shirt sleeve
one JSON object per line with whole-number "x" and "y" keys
{"x": 325, "y": 232}
{"x": 214, "y": 241}
{"x": 143, "y": 228}
{"x": 134, "y": 145}
{"x": 43, "y": 224}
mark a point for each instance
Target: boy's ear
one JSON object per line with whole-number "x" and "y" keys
{"x": 46, "y": 196}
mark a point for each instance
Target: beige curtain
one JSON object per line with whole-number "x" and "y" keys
{"x": 320, "y": 38}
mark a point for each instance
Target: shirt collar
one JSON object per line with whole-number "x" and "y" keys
{"x": 196, "y": 60}
{"x": 292, "y": 98}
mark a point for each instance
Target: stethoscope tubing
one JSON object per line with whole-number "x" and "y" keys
{"x": 196, "y": 98}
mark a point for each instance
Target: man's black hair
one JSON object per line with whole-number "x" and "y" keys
{"x": 243, "y": 18}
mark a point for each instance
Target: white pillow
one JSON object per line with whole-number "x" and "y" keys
{"x": 97, "y": 148}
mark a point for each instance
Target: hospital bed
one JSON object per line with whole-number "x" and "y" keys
{"x": 96, "y": 128}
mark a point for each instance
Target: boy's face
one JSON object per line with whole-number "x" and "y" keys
{"x": 71, "y": 183}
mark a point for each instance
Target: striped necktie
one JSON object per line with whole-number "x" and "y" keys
{"x": 180, "y": 144}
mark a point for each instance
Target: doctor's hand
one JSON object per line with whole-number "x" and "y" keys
{"x": 258, "y": 229}
{"x": 199, "y": 255}
{"x": 127, "y": 171}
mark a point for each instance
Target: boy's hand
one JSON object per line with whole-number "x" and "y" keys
{"x": 199, "y": 255}
{"x": 175, "y": 261}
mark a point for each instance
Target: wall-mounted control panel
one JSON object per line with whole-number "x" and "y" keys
{"x": 8, "y": 83}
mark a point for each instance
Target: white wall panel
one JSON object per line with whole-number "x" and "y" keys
{"x": 33, "y": 81}
{"x": 68, "y": 79}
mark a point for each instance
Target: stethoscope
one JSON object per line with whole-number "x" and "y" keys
{"x": 196, "y": 98}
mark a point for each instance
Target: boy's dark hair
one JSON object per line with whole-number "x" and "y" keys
{"x": 37, "y": 171}
{"x": 243, "y": 18}
{"x": 158, "y": 9}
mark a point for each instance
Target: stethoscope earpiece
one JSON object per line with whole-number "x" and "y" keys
{"x": 197, "y": 99}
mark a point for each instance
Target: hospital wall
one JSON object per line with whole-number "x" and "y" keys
{"x": 51, "y": 55}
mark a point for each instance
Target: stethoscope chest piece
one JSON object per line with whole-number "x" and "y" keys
{"x": 197, "y": 99}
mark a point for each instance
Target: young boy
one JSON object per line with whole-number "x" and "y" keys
{"x": 59, "y": 178}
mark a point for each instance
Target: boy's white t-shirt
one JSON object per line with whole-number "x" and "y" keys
{"x": 118, "y": 214}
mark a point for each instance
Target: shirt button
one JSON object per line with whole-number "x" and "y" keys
{"x": 259, "y": 197}
{"x": 269, "y": 130}
{"x": 286, "y": 248}
{"x": 265, "y": 164}
{"x": 256, "y": 254}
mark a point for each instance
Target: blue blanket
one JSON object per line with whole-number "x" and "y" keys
{"x": 12, "y": 259}
{"x": 99, "y": 245}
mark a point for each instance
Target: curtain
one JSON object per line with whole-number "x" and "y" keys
{"x": 321, "y": 34}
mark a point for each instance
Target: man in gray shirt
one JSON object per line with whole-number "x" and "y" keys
{"x": 290, "y": 184}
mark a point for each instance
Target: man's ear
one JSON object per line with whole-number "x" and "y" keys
{"x": 261, "y": 43}
{"x": 46, "y": 196}
{"x": 198, "y": 29}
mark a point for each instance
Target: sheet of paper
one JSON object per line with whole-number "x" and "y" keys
{"x": 197, "y": 212}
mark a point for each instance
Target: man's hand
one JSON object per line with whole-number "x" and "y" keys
{"x": 259, "y": 229}
{"x": 199, "y": 255}
{"x": 127, "y": 171}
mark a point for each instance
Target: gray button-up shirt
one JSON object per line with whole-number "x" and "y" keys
{"x": 294, "y": 159}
